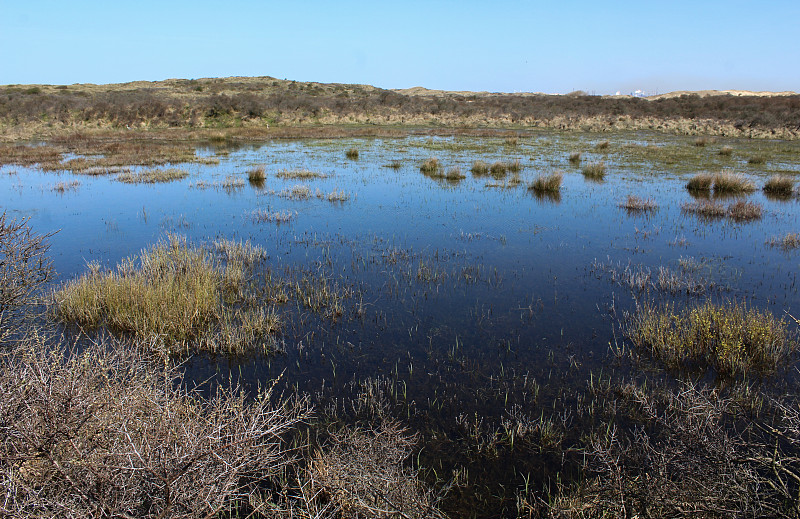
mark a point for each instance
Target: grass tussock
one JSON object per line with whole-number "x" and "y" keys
{"x": 454, "y": 174}
{"x": 575, "y": 157}
{"x": 790, "y": 241}
{"x": 757, "y": 159}
{"x": 547, "y": 183}
{"x": 780, "y": 186}
{"x": 299, "y": 174}
{"x": 395, "y": 165}
{"x": 352, "y": 154}
{"x": 63, "y": 187}
{"x": 479, "y": 168}
{"x": 430, "y": 166}
{"x": 594, "y": 171}
{"x": 265, "y": 216}
{"x": 498, "y": 169}
{"x": 722, "y": 183}
{"x": 729, "y": 338}
{"x": 743, "y": 211}
{"x": 602, "y": 145}
{"x": 257, "y": 174}
{"x": 700, "y": 142}
{"x": 108, "y": 432}
{"x": 726, "y": 151}
{"x": 152, "y": 176}
{"x": 173, "y": 295}
{"x": 635, "y": 204}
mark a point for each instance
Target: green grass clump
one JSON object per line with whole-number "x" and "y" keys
{"x": 173, "y": 296}
{"x": 729, "y": 338}
{"x": 479, "y": 168}
{"x": 430, "y": 166}
{"x": 547, "y": 183}
{"x": 352, "y": 154}
{"x": 594, "y": 170}
{"x": 779, "y": 186}
{"x": 151, "y": 176}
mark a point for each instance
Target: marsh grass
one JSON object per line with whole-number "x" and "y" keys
{"x": 790, "y": 241}
{"x": 547, "y": 183}
{"x": 602, "y": 145}
{"x": 352, "y": 154}
{"x": 63, "y": 187}
{"x": 265, "y": 216}
{"x": 726, "y": 151}
{"x": 430, "y": 166}
{"x": 706, "y": 209}
{"x": 575, "y": 157}
{"x": 594, "y": 171}
{"x": 498, "y": 169}
{"x": 152, "y": 176}
{"x": 299, "y": 174}
{"x": 730, "y": 338}
{"x": 701, "y": 142}
{"x": 479, "y": 168}
{"x": 743, "y": 211}
{"x": 336, "y": 195}
{"x": 722, "y": 183}
{"x": 757, "y": 159}
{"x": 634, "y": 204}
{"x": 779, "y": 186}
{"x": 454, "y": 174}
{"x": 257, "y": 174}
{"x": 172, "y": 295}
{"x": 395, "y": 164}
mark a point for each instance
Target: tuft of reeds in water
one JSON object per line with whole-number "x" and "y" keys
{"x": 498, "y": 169}
{"x": 151, "y": 176}
{"x": 780, "y": 186}
{"x": 594, "y": 170}
{"x": 547, "y": 183}
{"x": 515, "y": 166}
{"x": 232, "y": 183}
{"x": 575, "y": 157}
{"x": 454, "y": 173}
{"x": 352, "y": 153}
{"x": 63, "y": 187}
{"x": 726, "y": 151}
{"x": 701, "y": 141}
{"x": 263, "y": 216}
{"x": 722, "y": 183}
{"x": 257, "y": 174}
{"x": 707, "y": 209}
{"x": 511, "y": 141}
{"x": 173, "y": 295}
{"x": 743, "y": 211}
{"x": 395, "y": 164}
{"x": 602, "y": 145}
{"x": 304, "y": 174}
{"x": 757, "y": 159}
{"x": 791, "y": 241}
{"x": 430, "y": 166}
{"x": 727, "y": 182}
{"x": 729, "y": 338}
{"x": 634, "y": 204}
{"x": 479, "y": 168}
{"x": 700, "y": 182}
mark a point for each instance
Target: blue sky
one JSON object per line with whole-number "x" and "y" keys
{"x": 554, "y": 47}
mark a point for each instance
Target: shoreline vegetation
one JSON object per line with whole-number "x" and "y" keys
{"x": 263, "y": 107}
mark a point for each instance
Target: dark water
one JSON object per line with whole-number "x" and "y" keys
{"x": 463, "y": 294}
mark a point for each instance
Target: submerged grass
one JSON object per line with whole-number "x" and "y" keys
{"x": 302, "y": 174}
{"x": 173, "y": 295}
{"x": 791, "y": 241}
{"x": 634, "y": 204}
{"x": 151, "y": 176}
{"x": 729, "y": 338}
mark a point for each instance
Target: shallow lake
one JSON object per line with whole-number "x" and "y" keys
{"x": 466, "y": 300}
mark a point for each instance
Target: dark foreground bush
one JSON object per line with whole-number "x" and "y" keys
{"x": 106, "y": 433}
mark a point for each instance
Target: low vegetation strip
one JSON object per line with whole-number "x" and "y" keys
{"x": 174, "y": 294}
{"x": 730, "y": 338}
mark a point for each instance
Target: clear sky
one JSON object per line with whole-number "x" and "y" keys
{"x": 555, "y": 46}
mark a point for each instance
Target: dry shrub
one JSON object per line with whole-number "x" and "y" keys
{"x": 362, "y": 474}
{"x": 108, "y": 433}
{"x": 24, "y": 269}
{"x": 681, "y": 462}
